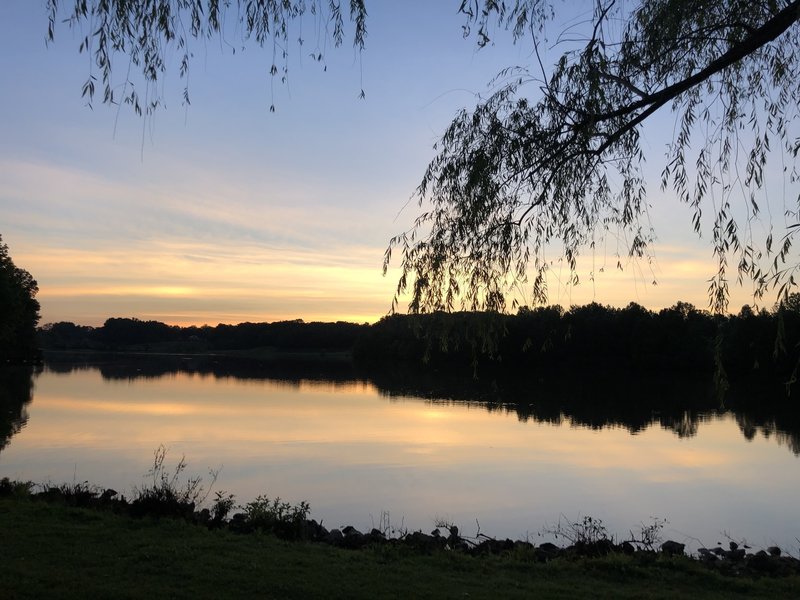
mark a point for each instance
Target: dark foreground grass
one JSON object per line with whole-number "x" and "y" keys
{"x": 54, "y": 551}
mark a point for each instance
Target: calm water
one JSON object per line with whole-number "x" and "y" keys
{"x": 355, "y": 451}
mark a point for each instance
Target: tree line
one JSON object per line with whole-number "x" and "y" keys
{"x": 131, "y": 334}
{"x": 545, "y": 339}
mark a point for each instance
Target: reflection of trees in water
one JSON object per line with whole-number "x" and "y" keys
{"x": 614, "y": 399}
{"x": 592, "y": 399}
{"x": 283, "y": 371}
{"x": 769, "y": 428}
{"x": 16, "y": 392}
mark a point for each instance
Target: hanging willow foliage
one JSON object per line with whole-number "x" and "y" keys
{"x": 147, "y": 34}
{"x": 552, "y": 159}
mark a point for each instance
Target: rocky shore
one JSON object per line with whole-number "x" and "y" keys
{"x": 291, "y": 523}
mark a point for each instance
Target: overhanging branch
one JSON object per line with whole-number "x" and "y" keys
{"x": 765, "y": 34}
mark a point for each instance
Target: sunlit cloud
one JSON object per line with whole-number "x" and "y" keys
{"x": 197, "y": 202}
{"x": 255, "y": 274}
{"x": 208, "y": 248}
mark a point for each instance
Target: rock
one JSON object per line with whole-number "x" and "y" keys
{"x": 774, "y": 551}
{"x": 453, "y": 539}
{"x": 597, "y": 548}
{"x": 315, "y": 531}
{"x": 671, "y": 548}
{"x": 353, "y": 538}
{"x": 492, "y": 546}
{"x": 706, "y": 554}
{"x": 356, "y": 541}
{"x": 546, "y": 551}
{"x": 735, "y": 555}
{"x": 423, "y": 541}
{"x": 335, "y": 537}
{"x": 733, "y": 545}
{"x": 627, "y": 548}
{"x": 762, "y": 562}
{"x": 239, "y": 524}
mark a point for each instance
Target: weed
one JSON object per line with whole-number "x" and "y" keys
{"x": 222, "y": 506}
{"x": 167, "y": 495}
{"x": 384, "y": 522}
{"x": 72, "y": 494}
{"x": 15, "y": 488}
{"x": 587, "y": 531}
{"x": 649, "y": 535}
{"x": 281, "y": 518}
{"x": 387, "y": 528}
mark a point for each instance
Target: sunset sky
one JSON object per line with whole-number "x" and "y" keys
{"x": 225, "y": 212}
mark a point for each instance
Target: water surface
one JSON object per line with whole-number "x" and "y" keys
{"x": 357, "y": 450}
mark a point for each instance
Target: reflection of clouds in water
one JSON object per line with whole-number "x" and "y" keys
{"x": 353, "y": 446}
{"x": 677, "y": 405}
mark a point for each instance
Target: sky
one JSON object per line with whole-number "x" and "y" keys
{"x": 225, "y": 212}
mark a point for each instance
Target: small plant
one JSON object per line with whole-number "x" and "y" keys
{"x": 281, "y": 518}
{"x": 588, "y": 531}
{"x": 167, "y": 495}
{"x": 649, "y": 535}
{"x": 79, "y": 493}
{"x": 15, "y": 488}
{"x": 389, "y": 529}
{"x": 222, "y": 506}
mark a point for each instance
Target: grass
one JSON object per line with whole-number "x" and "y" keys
{"x": 50, "y": 550}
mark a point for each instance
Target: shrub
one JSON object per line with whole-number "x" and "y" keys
{"x": 281, "y": 518}
{"x": 15, "y": 488}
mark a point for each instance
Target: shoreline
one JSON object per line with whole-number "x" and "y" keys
{"x": 588, "y": 538}
{"x": 55, "y": 550}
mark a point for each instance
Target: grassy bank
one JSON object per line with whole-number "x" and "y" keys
{"x": 51, "y": 550}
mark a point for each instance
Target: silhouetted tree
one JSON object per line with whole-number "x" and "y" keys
{"x": 791, "y": 302}
{"x": 128, "y": 332}
{"x": 19, "y": 310}
{"x": 552, "y": 158}
{"x": 65, "y": 335}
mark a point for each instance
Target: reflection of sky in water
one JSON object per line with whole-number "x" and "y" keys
{"x": 353, "y": 454}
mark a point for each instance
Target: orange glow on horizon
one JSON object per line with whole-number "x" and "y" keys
{"x": 191, "y": 283}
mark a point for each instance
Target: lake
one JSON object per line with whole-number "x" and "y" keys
{"x": 366, "y": 449}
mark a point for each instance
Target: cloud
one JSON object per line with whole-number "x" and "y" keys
{"x": 184, "y": 200}
{"x": 216, "y": 283}
{"x": 199, "y": 248}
